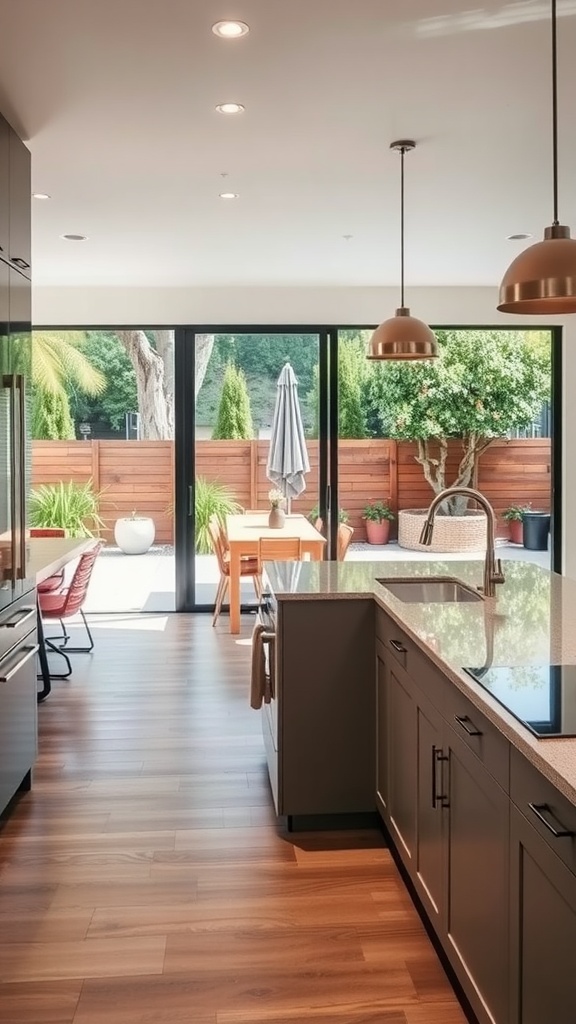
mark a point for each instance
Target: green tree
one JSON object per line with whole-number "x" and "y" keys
{"x": 106, "y": 353}
{"x": 484, "y": 384}
{"x": 234, "y": 421}
{"x": 51, "y": 419}
{"x": 353, "y": 376}
{"x": 57, "y": 362}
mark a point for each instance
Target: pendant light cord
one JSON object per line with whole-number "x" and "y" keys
{"x": 402, "y": 151}
{"x": 554, "y": 113}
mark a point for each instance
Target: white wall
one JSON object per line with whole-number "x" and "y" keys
{"x": 451, "y": 306}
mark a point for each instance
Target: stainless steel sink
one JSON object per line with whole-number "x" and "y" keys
{"x": 419, "y": 590}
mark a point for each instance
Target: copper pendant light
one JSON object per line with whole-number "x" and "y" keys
{"x": 403, "y": 336}
{"x": 542, "y": 279}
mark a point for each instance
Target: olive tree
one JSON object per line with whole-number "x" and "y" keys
{"x": 484, "y": 384}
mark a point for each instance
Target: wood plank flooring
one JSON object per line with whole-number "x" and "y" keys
{"x": 144, "y": 880}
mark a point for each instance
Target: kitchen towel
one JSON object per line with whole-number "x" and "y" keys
{"x": 259, "y": 682}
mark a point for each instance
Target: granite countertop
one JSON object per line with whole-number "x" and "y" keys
{"x": 530, "y": 621}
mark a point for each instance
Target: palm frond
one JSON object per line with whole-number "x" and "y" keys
{"x": 56, "y": 359}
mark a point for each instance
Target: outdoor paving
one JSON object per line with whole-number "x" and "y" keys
{"x": 132, "y": 583}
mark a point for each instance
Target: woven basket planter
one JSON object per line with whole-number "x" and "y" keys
{"x": 451, "y": 533}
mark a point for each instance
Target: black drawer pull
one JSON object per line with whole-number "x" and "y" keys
{"x": 20, "y": 263}
{"x": 398, "y": 647}
{"x": 559, "y": 833}
{"x": 467, "y": 725}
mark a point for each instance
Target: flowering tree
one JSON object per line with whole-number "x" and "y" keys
{"x": 484, "y": 384}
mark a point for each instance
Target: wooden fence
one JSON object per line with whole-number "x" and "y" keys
{"x": 138, "y": 475}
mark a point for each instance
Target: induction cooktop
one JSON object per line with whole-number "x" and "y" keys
{"x": 541, "y": 697}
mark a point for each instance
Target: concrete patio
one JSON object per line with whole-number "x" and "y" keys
{"x": 145, "y": 583}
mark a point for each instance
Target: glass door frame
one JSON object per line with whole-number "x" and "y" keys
{"x": 185, "y": 445}
{"x": 328, "y": 497}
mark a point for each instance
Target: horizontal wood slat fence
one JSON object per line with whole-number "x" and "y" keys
{"x": 138, "y": 475}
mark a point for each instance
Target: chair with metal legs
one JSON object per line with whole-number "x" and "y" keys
{"x": 69, "y": 602}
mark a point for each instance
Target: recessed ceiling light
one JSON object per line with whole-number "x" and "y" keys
{"x": 40, "y": 195}
{"x": 230, "y": 29}
{"x": 74, "y": 238}
{"x": 518, "y": 237}
{"x": 230, "y": 108}
{"x": 229, "y": 195}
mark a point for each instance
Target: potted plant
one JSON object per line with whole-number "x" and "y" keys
{"x": 514, "y": 514}
{"x": 67, "y": 505}
{"x": 134, "y": 534}
{"x": 378, "y": 516}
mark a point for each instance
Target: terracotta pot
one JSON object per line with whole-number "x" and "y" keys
{"x": 516, "y": 531}
{"x": 377, "y": 533}
{"x": 277, "y": 518}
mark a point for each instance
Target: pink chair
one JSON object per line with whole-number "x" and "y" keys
{"x": 56, "y": 581}
{"x": 67, "y": 603}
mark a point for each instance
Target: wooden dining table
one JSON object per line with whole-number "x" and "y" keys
{"x": 244, "y": 533}
{"x": 47, "y": 556}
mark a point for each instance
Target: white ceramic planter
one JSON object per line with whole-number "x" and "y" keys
{"x": 134, "y": 535}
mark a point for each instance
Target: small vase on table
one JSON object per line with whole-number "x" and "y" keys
{"x": 277, "y": 516}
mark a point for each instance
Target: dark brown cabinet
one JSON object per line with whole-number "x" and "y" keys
{"x": 543, "y": 919}
{"x": 397, "y": 753}
{"x": 4, "y": 188}
{"x": 20, "y": 211}
{"x": 320, "y": 736}
{"x": 448, "y": 816}
{"x": 476, "y": 857}
{"x": 15, "y": 200}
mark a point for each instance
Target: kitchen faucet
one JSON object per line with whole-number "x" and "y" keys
{"x": 492, "y": 566}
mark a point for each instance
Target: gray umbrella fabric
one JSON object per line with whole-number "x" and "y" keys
{"x": 287, "y": 457}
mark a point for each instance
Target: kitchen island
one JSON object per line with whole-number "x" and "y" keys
{"x": 480, "y": 812}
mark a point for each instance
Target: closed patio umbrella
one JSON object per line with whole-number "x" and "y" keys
{"x": 287, "y": 457}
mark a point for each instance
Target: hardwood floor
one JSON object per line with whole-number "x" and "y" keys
{"x": 144, "y": 880}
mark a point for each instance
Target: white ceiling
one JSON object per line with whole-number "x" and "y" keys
{"x": 116, "y": 101}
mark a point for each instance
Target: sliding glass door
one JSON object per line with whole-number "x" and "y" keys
{"x": 223, "y": 438}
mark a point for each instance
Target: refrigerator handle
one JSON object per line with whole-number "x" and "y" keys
{"x": 21, "y": 388}
{"x": 8, "y": 382}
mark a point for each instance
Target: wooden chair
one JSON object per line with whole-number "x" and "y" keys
{"x": 319, "y": 524}
{"x": 248, "y": 566}
{"x": 56, "y": 581}
{"x": 281, "y": 549}
{"x": 344, "y": 537}
{"x": 256, "y": 511}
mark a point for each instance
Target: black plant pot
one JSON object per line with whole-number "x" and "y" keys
{"x": 536, "y": 530}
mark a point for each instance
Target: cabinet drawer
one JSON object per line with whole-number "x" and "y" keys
{"x": 405, "y": 652}
{"x": 550, "y": 813}
{"x": 16, "y": 621}
{"x": 482, "y": 738}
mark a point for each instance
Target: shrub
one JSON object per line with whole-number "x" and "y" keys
{"x": 516, "y": 511}
{"x": 70, "y": 506}
{"x": 377, "y": 512}
{"x": 212, "y": 498}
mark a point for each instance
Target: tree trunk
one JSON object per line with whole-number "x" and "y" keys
{"x": 154, "y": 369}
{"x": 204, "y": 346}
{"x": 156, "y": 420}
{"x": 435, "y": 469}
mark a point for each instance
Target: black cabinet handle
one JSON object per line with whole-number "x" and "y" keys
{"x": 467, "y": 725}
{"x": 559, "y": 833}
{"x": 398, "y": 646}
{"x": 19, "y": 262}
{"x": 437, "y": 798}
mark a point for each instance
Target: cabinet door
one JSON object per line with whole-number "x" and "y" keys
{"x": 4, "y": 188}
{"x": 20, "y": 205}
{"x": 402, "y": 743}
{"x": 381, "y": 735}
{"x": 543, "y": 920}
{"x": 431, "y": 798}
{"x": 477, "y": 881}
{"x": 17, "y": 717}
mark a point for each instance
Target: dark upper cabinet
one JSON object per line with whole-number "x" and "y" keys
{"x": 4, "y": 188}
{"x": 20, "y": 243}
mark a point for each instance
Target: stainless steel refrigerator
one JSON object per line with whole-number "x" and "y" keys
{"x": 17, "y": 594}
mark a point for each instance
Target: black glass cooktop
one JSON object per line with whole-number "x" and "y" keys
{"x": 542, "y": 697}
